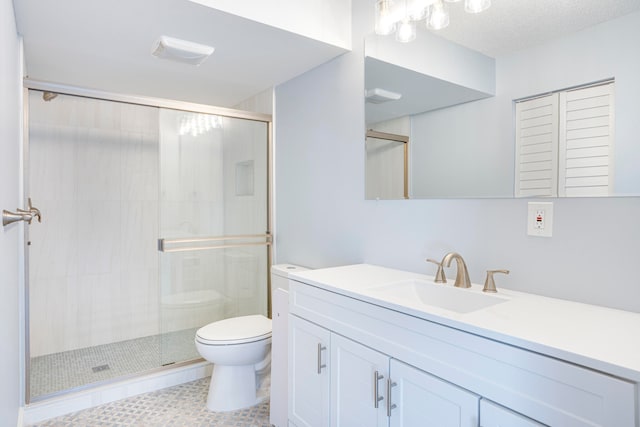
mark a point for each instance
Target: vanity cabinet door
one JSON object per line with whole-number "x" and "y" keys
{"x": 308, "y": 374}
{"x": 423, "y": 400}
{"x": 358, "y": 379}
{"x": 493, "y": 415}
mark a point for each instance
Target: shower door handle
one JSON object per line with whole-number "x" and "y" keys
{"x": 26, "y": 215}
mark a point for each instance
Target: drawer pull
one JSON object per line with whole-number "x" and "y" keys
{"x": 390, "y": 406}
{"x": 321, "y": 365}
{"x": 376, "y": 397}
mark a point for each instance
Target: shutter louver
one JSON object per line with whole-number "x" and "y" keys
{"x": 586, "y": 142}
{"x": 537, "y": 147}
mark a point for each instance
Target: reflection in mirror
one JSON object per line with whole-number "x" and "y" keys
{"x": 466, "y": 148}
{"x": 386, "y": 166}
{"x": 564, "y": 143}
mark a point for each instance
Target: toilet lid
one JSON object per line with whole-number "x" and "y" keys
{"x": 236, "y": 330}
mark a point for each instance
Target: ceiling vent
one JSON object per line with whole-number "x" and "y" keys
{"x": 181, "y": 50}
{"x": 378, "y": 96}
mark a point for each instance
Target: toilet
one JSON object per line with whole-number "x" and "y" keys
{"x": 238, "y": 347}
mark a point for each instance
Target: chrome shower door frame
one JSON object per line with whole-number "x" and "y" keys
{"x": 163, "y": 245}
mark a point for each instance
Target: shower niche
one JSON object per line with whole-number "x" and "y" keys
{"x": 145, "y": 235}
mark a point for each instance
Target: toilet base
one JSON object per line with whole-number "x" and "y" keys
{"x": 233, "y": 388}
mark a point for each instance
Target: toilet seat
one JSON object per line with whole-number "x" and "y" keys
{"x": 235, "y": 330}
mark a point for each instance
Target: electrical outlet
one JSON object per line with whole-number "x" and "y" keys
{"x": 540, "y": 219}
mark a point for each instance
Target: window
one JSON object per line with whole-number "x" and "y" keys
{"x": 564, "y": 143}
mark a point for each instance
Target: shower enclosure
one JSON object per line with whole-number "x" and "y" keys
{"x": 155, "y": 222}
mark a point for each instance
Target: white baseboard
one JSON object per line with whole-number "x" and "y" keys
{"x": 72, "y": 402}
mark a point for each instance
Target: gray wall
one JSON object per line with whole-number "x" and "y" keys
{"x": 323, "y": 220}
{"x": 10, "y": 88}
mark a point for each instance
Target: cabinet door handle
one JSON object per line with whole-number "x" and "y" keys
{"x": 390, "y": 406}
{"x": 376, "y": 397}
{"x": 321, "y": 365}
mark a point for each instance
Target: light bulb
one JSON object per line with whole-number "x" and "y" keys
{"x": 384, "y": 21}
{"x": 406, "y": 31}
{"x": 476, "y": 6}
{"x": 417, "y": 10}
{"x": 438, "y": 16}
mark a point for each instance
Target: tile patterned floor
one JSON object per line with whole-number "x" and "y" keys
{"x": 182, "y": 405}
{"x": 69, "y": 369}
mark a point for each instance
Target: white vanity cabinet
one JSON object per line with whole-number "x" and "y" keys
{"x": 426, "y": 401}
{"x": 331, "y": 379}
{"x": 308, "y": 374}
{"x": 440, "y": 376}
{"x": 359, "y": 378}
{"x": 493, "y": 415}
{"x": 365, "y": 387}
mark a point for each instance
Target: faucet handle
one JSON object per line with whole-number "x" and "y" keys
{"x": 35, "y": 212}
{"x": 489, "y": 283}
{"x": 440, "y": 277}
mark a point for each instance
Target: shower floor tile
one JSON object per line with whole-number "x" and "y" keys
{"x": 66, "y": 370}
{"x": 182, "y": 405}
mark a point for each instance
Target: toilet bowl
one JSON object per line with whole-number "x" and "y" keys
{"x": 238, "y": 347}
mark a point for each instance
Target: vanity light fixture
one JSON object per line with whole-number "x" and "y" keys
{"x": 385, "y": 23}
{"x": 438, "y": 17}
{"x": 476, "y": 6}
{"x": 406, "y": 31}
{"x": 181, "y": 50}
{"x": 400, "y": 16}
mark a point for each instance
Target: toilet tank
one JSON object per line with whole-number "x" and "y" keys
{"x": 280, "y": 275}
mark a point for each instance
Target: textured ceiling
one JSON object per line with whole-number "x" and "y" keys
{"x": 511, "y": 25}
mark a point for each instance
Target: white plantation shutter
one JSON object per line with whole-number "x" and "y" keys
{"x": 537, "y": 147}
{"x": 586, "y": 141}
{"x": 564, "y": 143}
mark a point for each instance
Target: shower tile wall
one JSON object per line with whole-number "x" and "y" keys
{"x": 93, "y": 172}
{"x": 245, "y": 212}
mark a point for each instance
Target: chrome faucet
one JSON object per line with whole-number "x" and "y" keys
{"x": 462, "y": 276}
{"x": 26, "y": 215}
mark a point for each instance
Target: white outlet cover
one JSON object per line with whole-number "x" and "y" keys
{"x": 533, "y": 208}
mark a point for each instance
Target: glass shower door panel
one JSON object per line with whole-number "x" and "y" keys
{"x": 92, "y": 169}
{"x": 213, "y": 224}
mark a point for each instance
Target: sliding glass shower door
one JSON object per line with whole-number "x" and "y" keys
{"x": 155, "y": 222}
{"x": 213, "y": 224}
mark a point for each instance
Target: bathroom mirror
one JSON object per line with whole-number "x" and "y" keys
{"x": 457, "y": 106}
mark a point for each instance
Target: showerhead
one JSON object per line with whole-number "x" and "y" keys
{"x": 48, "y": 96}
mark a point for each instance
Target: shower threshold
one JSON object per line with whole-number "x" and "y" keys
{"x": 53, "y": 373}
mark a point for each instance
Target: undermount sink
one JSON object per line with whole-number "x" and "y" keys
{"x": 410, "y": 292}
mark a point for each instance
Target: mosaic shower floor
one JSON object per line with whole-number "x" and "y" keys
{"x": 182, "y": 405}
{"x": 69, "y": 369}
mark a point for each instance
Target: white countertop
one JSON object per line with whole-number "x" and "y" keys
{"x": 599, "y": 338}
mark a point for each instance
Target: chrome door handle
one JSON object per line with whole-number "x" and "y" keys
{"x": 376, "y": 397}
{"x": 390, "y": 406}
{"x": 321, "y": 365}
